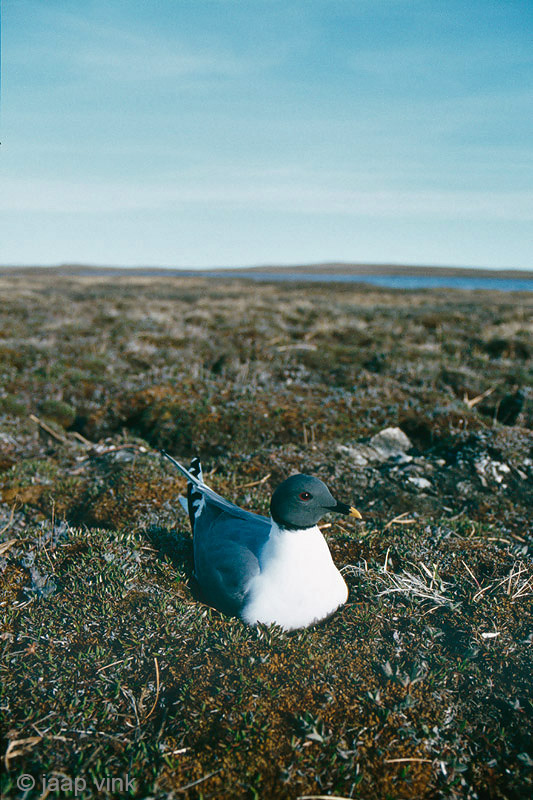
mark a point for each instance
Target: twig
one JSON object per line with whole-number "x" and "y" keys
{"x": 306, "y": 436}
{"x": 471, "y": 402}
{"x": 482, "y": 591}
{"x": 4, "y": 547}
{"x": 409, "y": 584}
{"x": 456, "y": 516}
{"x": 10, "y": 521}
{"x": 195, "y": 783}
{"x": 253, "y": 483}
{"x": 82, "y": 439}
{"x": 156, "y": 690}
{"x": 296, "y": 346}
{"x": 50, "y": 431}
{"x": 518, "y": 591}
{"x": 471, "y": 574}
{"x": 113, "y": 663}
{"x": 42, "y": 542}
{"x": 12, "y": 752}
{"x": 399, "y": 520}
{"x": 322, "y": 797}
{"x": 400, "y": 760}
{"x": 343, "y": 529}
{"x": 522, "y": 591}
{"x": 512, "y": 576}
{"x": 131, "y": 697}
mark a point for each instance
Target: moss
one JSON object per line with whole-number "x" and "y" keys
{"x": 11, "y": 406}
{"x": 58, "y": 411}
{"x": 327, "y": 709}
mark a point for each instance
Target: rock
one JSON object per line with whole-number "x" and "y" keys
{"x": 41, "y": 585}
{"x": 388, "y": 443}
{"x": 360, "y": 455}
{"x": 420, "y": 483}
{"x": 491, "y": 470}
{"x": 510, "y": 407}
{"x": 507, "y": 409}
{"x": 402, "y": 458}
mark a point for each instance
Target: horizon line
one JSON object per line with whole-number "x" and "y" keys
{"x": 348, "y": 267}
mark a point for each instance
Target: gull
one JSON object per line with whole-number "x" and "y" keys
{"x": 276, "y": 570}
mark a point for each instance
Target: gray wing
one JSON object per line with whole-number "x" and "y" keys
{"x": 226, "y": 554}
{"x": 227, "y": 542}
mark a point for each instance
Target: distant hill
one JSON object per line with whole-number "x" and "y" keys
{"x": 331, "y": 268}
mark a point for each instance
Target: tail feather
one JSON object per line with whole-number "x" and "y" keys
{"x": 200, "y": 494}
{"x": 185, "y": 472}
{"x": 195, "y": 498}
{"x": 196, "y": 469}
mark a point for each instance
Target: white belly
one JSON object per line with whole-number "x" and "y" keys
{"x": 298, "y": 584}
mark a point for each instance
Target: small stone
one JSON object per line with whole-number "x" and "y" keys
{"x": 420, "y": 483}
{"x": 403, "y": 458}
{"x": 391, "y": 441}
{"x": 356, "y": 454}
{"x": 487, "y": 468}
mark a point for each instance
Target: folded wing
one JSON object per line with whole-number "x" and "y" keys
{"x": 227, "y": 543}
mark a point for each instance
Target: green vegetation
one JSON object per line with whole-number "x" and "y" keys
{"x": 420, "y": 687}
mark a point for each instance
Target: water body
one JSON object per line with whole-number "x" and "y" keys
{"x": 389, "y": 281}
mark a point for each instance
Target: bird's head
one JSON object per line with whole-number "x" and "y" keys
{"x": 301, "y": 501}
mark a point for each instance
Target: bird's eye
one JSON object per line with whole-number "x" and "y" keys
{"x": 304, "y": 496}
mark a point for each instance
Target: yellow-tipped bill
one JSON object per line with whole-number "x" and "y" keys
{"x": 355, "y": 513}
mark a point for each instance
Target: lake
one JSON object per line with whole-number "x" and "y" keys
{"x": 390, "y": 281}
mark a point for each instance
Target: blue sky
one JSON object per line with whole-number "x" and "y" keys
{"x": 239, "y": 132}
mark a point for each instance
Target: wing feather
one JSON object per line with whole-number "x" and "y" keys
{"x": 212, "y": 496}
{"x": 227, "y": 543}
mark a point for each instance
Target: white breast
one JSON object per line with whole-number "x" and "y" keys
{"x": 298, "y": 584}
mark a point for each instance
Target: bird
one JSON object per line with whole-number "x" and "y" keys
{"x": 276, "y": 570}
